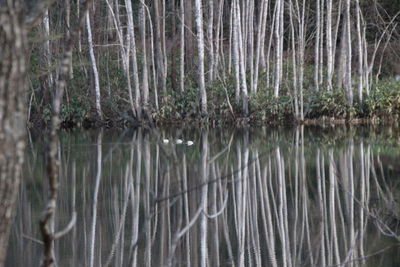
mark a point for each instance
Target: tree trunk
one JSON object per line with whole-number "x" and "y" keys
{"x": 13, "y": 64}
{"x": 301, "y": 41}
{"x": 317, "y": 45}
{"x": 245, "y": 104}
{"x": 182, "y": 49}
{"x": 47, "y": 82}
{"x": 189, "y": 34}
{"x": 329, "y": 48}
{"x": 294, "y": 62}
{"x": 132, "y": 45}
{"x": 210, "y": 37}
{"x": 236, "y": 60}
{"x": 159, "y": 53}
{"x": 94, "y": 67}
{"x": 360, "y": 53}
{"x": 278, "y": 46}
{"x": 200, "y": 46}
{"x": 145, "y": 79}
{"x": 49, "y": 235}
{"x": 260, "y": 40}
{"x": 250, "y": 43}
{"x": 348, "y": 84}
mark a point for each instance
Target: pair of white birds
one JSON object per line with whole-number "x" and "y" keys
{"x": 179, "y": 141}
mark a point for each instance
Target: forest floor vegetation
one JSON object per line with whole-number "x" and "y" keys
{"x": 382, "y": 105}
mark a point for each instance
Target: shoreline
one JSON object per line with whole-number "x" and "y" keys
{"x": 119, "y": 122}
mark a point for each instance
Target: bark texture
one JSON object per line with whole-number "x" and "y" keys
{"x": 12, "y": 112}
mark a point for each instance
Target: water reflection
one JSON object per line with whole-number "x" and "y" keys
{"x": 234, "y": 198}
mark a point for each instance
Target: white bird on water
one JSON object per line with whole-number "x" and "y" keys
{"x": 189, "y": 143}
{"x": 179, "y": 141}
{"x": 165, "y": 141}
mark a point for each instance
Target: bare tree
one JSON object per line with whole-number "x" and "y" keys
{"x": 182, "y": 48}
{"x": 13, "y": 62}
{"x": 132, "y": 51}
{"x": 200, "y": 46}
{"x": 242, "y": 67}
{"x": 145, "y": 75}
{"x": 161, "y": 74}
{"x": 49, "y": 234}
{"x": 360, "y": 53}
{"x": 317, "y": 45}
{"x": 236, "y": 44}
{"x": 94, "y": 67}
{"x": 348, "y": 83}
{"x": 279, "y": 30}
{"x": 329, "y": 45}
{"x": 210, "y": 38}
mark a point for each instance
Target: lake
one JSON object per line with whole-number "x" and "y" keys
{"x": 306, "y": 196}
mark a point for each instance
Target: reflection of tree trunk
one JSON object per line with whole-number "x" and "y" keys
{"x": 204, "y": 202}
{"x": 136, "y": 197}
{"x": 12, "y": 113}
{"x": 322, "y": 201}
{"x": 332, "y": 207}
{"x": 147, "y": 204}
{"x": 95, "y": 199}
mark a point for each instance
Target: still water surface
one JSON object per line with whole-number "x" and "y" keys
{"x": 257, "y": 197}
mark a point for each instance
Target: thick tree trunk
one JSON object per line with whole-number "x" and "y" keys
{"x": 203, "y": 220}
{"x": 13, "y": 64}
{"x": 132, "y": 45}
{"x": 49, "y": 234}
{"x": 236, "y": 60}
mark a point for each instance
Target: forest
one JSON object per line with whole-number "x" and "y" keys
{"x": 117, "y": 63}
{"x": 273, "y": 61}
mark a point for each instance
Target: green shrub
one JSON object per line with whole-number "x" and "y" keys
{"x": 332, "y": 103}
{"x": 266, "y": 106}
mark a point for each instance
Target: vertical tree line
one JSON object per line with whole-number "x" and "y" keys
{"x": 265, "y": 46}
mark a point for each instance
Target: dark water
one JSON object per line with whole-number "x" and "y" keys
{"x": 258, "y": 197}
